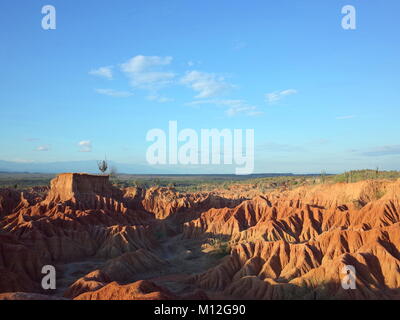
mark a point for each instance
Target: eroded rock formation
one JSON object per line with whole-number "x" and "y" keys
{"x": 108, "y": 243}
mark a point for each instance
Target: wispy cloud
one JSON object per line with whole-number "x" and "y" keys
{"x": 345, "y": 117}
{"x": 207, "y": 85}
{"x": 141, "y": 63}
{"x": 240, "y": 107}
{"x": 234, "y": 107}
{"x": 382, "y": 151}
{"x": 105, "y": 72}
{"x": 150, "y": 73}
{"x": 192, "y": 63}
{"x": 85, "y": 146}
{"x": 43, "y": 148}
{"x": 274, "y": 97}
{"x": 158, "y": 98}
{"x": 114, "y": 93}
{"x": 146, "y": 71}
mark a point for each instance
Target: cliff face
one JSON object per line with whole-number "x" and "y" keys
{"x": 9, "y": 200}
{"x": 278, "y": 245}
{"x": 81, "y": 190}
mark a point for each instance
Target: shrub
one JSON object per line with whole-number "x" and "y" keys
{"x": 220, "y": 247}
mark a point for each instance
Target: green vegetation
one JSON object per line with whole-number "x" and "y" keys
{"x": 23, "y": 181}
{"x": 359, "y": 175}
{"x": 319, "y": 291}
{"x": 220, "y": 246}
{"x": 206, "y": 183}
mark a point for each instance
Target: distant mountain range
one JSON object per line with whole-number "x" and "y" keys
{"x": 73, "y": 166}
{"x": 90, "y": 166}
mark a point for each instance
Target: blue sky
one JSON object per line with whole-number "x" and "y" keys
{"x": 317, "y": 96}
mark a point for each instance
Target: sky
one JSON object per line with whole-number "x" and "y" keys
{"x": 319, "y": 97}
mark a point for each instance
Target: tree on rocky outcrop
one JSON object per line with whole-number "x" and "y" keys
{"x": 102, "y": 165}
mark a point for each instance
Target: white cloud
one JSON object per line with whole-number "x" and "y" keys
{"x": 105, "y": 72}
{"x": 43, "y": 148}
{"x": 206, "y": 84}
{"x": 278, "y": 95}
{"x": 192, "y": 63}
{"x": 114, "y": 93}
{"x": 151, "y": 79}
{"x": 158, "y": 98}
{"x": 235, "y": 107}
{"x": 140, "y": 63}
{"x": 85, "y": 146}
{"x": 144, "y": 71}
{"x": 345, "y": 117}
{"x": 288, "y": 92}
{"x": 240, "y": 107}
{"x": 150, "y": 73}
{"x": 247, "y": 110}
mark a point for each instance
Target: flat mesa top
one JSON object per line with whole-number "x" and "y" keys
{"x": 67, "y": 186}
{"x": 82, "y": 174}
